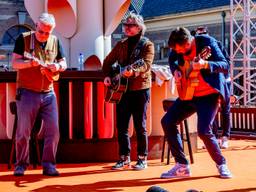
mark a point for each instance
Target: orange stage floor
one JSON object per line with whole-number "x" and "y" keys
{"x": 241, "y": 157}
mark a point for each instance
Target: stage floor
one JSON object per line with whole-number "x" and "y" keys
{"x": 92, "y": 177}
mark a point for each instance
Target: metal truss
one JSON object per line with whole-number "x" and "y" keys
{"x": 243, "y": 50}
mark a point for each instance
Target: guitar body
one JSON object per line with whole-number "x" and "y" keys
{"x": 115, "y": 95}
{"x": 189, "y": 79}
{"x": 118, "y": 86}
{"x": 184, "y": 88}
{"x": 119, "y": 83}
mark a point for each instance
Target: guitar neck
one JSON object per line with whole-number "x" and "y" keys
{"x": 136, "y": 65}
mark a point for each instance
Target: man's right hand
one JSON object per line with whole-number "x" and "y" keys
{"x": 34, "y": 62}
{"x": 107, "y": 81}
{"x": 177, "y": 76}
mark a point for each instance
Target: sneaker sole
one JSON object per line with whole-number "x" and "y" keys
{"x": 122, "y": 168}
{"x": 18, "y": 174}
{"x": 139, "y": 169}
{"x": 171, "y": 177}
{"x": 47, "y": 174}
{"x": 226, "y": 177}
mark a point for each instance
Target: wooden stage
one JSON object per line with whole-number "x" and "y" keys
{"x": 97, "y": 177}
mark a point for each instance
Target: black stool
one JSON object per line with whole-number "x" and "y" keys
{"x": 166, "y": 104}
{"x": 34, "y": 145}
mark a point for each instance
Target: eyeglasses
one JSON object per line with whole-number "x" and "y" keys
{"x": 130, "y": 25}
{"x": 43, "y": 33}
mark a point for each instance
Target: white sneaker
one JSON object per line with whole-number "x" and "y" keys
{"x": 178, "y": 171}
{"x": 224, "y": 171}
{"x": 224, "y": 142}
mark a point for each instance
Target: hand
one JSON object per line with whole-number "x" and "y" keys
{"x": 34, "y": 62}
{"x": 177, "y": 76}
{"x": 128, "y": 72}
{"x": 107, "y": 81}
{"x": 200, "y": 64}
{"x": 53, "y": 67}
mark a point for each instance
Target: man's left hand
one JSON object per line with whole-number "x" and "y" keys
{"x": 53, "y": 67}
{"x": 200, "y": 64}
{"x": 128, "y": 72}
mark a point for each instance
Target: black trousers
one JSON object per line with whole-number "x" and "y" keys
{"x": 133, "y": 103}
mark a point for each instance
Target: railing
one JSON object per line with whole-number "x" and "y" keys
{"x": 243, "y": 121}
{"x": 86, "y": 122}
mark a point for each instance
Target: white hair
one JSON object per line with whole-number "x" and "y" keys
{"x": 47, "y": 19}
{"x": 138, "y": 20}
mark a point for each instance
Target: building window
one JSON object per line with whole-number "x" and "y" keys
{"x": 8, "y": 41}
{"x": 12, "y": 33}
{"x": 164, "y": 52}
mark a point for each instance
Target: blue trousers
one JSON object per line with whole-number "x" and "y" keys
{"x": 133, "y": 103}
{"x": 206, "y": 108}
{"x": 29, "y": 106}
{"x": 225, "y": 114}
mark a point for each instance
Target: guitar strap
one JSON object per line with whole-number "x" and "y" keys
{"x": 136, "y": 53}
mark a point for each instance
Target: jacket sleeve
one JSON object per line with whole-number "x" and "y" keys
{"x": 217, "y": 62}
{"x": 148, "y": 56}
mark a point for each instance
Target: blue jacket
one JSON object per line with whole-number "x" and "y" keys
{"x": 218, "y": 65}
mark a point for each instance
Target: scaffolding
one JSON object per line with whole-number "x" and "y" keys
{"x": 243, "y": 50}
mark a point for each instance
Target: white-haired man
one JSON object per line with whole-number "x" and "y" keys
{"x": 38, "y": 58}
{"x": 135, "y": 100}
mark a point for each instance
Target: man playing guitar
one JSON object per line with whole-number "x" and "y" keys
{"x": 135, "y": 100}
{"x": 38, "y": 58}
{"x": 209, "y": 87}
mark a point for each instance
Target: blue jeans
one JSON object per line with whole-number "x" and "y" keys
{"x": 225, "y": 114}
{"x": 225, "y": 120}
{"x": 133, "y": 103}
{"x": 29, "y": 106}
{"x": 206, "y": 108}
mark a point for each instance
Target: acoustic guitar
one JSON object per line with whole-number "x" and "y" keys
{"x": 51, "y": 76}
{"x": 189, "y": 80}
{"x": 119, "y": 83}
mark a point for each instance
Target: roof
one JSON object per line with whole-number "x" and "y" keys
{"x": 153, "y": 8}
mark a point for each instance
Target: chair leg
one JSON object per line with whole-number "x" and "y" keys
{"x": 183, "y": 139}
{"x": 35, "y": 151}
{"x": 35, "y": 143}
{"x": 168, "y": 154}
{"x": 189, "y": 142}
{"x": 163, "y": 149}
{"x": 182, "y": 134}
{"x": 32, "y": 147}
{"x": 11, "y": 154}
{"x": 14, "y": 111}
{"x": 38, "y": 151}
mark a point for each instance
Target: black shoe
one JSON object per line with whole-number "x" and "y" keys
{"x": 50, "y": 171}
{"x": 19, "y": 170}
{"x": 123, "y": 163}
{"x": 141, "y": 164}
